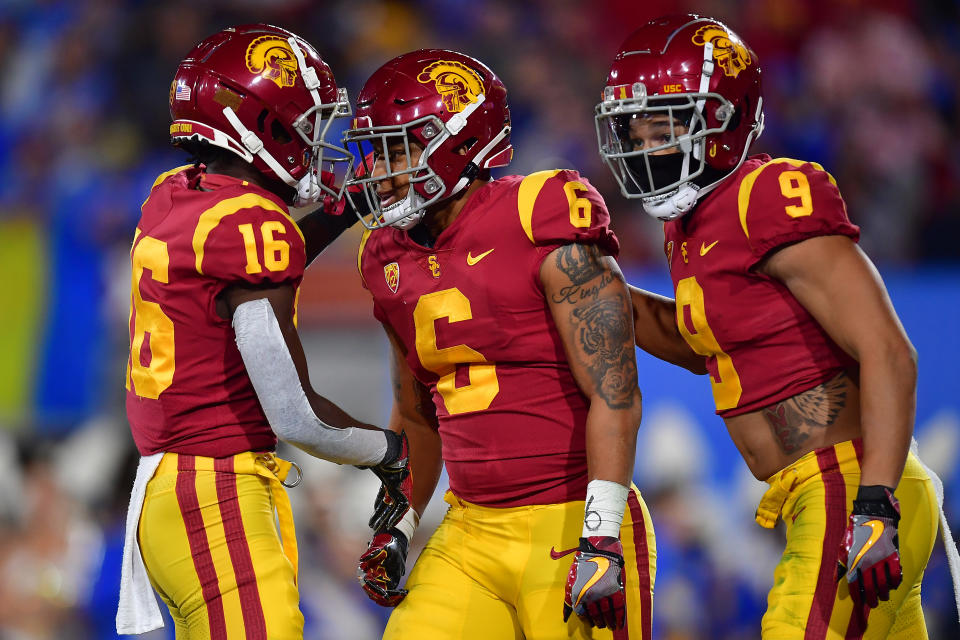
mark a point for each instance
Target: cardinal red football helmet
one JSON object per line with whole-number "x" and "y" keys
{"x": 264, "y": 94}
{"x": 698, "y": 76}
{"x": 443, "y": 100}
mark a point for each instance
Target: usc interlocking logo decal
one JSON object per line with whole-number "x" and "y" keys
{"x": 272, "y": 58}
{"x": 457, "y": 84}
{"x": 391, "y": 273}
{"x": 732, "y": 56}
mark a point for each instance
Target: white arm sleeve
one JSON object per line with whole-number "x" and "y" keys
{"x": 275, "y": 379}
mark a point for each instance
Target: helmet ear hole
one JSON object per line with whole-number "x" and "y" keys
{"x": 735, "y": 119}
{"x": 463, "y": 148}
{"x": 279, "y": 133}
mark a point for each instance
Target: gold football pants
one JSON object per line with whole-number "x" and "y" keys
{"x": 486, "y": 573}
{"x": 211, "y": 545}
{"x": 814, "y": 496}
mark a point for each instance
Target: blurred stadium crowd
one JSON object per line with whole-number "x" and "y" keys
{"x": 868, "y": 88}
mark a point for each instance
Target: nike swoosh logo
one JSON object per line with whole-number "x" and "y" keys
{"x": 706, "y": 247}
{"x": 472, "y": 261}
{"x": 877, "y": 530}
{"x": 556, "y": 555}
{"x": 799, "y": 511}
{"x": 602, "y": 565}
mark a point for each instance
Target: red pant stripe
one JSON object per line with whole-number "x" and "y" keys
{"x": 858, "y": 617}
{"x": 643, "y": 569}
{"x": 253, "y": 620}
{"x": 858, "y": 449}
{"x": 199, "y": 546}
{"x": 835, "y": 503}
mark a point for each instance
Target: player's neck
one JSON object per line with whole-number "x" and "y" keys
{"x": 438, "y": 220}
{"x": 245, "y": 171}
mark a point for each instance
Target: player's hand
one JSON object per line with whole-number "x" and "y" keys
{"x": 396, "y": 491}
{"x": 595, "y": 583}
{"x": 870, "y": 551}
{"x": 381, "y": 567}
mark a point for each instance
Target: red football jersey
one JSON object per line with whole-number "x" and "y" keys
{"x": 761, "y": 344}
{"x": 187, "y": 388}
{"x": 472, "y": 312}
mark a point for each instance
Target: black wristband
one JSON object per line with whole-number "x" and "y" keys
{"x": 394, "y": 446}
{"x": 876, "y": 500}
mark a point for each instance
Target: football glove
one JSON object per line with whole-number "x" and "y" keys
{"x": 381, "y": 567}
{"x": 393, "y": 500}
{"x": 595, "y": 583}
{"x": 870, "y": 551}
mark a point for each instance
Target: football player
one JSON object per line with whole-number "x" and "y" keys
{"x": 216, "y": 372}
{"x": 513, "y": 364}
{"x": 810, "y": 367}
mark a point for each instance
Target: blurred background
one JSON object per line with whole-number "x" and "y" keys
{"x": 867, "y": 88}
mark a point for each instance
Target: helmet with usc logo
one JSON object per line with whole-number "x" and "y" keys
{"x": 450, "y": 104}
{"x": 697, "y": 80}
{"x": 264, "y": 94}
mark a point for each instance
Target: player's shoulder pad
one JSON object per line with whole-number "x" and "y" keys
{"x": 249, "y": 236}
{"x": 559, "y": 206}
{"x": 179, "y": 175}
{"x": 786, "y": 200}
{"x": 784, "y": 190}
{"x": 163, "y": 177}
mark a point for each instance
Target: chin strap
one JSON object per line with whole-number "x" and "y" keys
{"x": 473, "y": 168}
{"x": 405, "y": 214}
{"x": 671, "y": 206}
{"x": 254, "y": 145}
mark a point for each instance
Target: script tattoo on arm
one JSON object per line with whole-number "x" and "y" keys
{"x": 602, "y": 322}
{"x": 581, "y": 264}
{"x": 793, "y": 420}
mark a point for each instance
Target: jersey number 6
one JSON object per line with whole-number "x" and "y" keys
{"x": 150, "y": 380}
{"x": 484, "y": 386}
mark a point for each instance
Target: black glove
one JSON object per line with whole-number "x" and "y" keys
{"x": 381, "y": 567}
{"x": 396, "y": 491}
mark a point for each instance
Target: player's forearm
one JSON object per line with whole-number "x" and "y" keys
{"x": 426, "y": 462}
{"x": 284, "y": 400}
{"x": 333, "y": 415}
{"x": 888, "y": 382}
{"x": 655, "y": 330}
{"x": 612, "y": 440}
{"x": 320, "y": 229}
{"x": 611, "y": 444}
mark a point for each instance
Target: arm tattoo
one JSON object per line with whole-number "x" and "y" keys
{"x": 794, "y": 419}
{"x": 581, "y": 264}
{"x": 605, "y": 332}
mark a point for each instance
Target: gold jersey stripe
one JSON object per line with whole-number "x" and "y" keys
{"x": 363, "y": 244}
{"x": 746, "y": 187}
{"x": 210, "y": 218}
{"x": 527, "y": 196}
